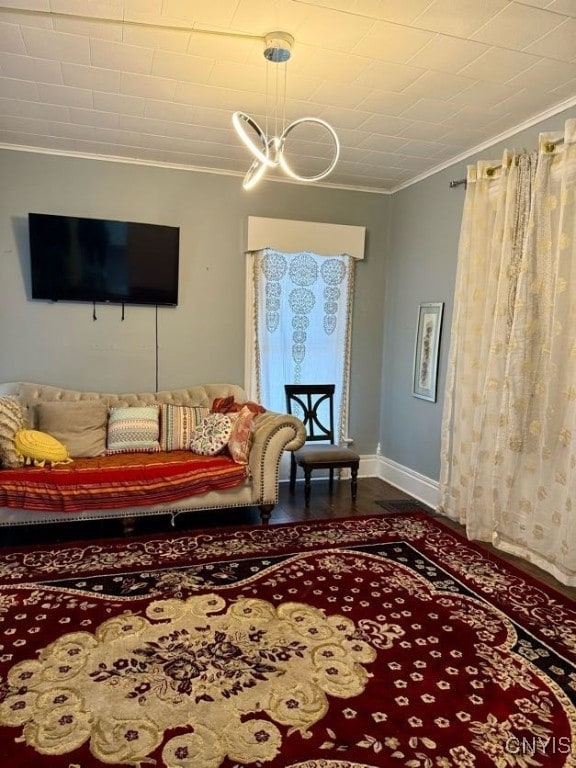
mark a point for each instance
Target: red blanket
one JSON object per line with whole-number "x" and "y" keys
{"x": 122, "y": 480}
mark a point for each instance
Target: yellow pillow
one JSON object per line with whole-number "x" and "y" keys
{"x": 38, "y": 448}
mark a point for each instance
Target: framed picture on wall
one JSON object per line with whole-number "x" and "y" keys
{"x": 424, "y": 378}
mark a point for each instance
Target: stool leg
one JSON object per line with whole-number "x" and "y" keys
{"x": 292, "y": 473}
{"x": 307, "y": 485}
{"x": 354, "y": 483}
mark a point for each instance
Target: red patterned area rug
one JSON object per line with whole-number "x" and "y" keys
{"x": 376, "y": 641}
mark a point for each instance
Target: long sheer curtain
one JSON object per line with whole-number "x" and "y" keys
{"x": 508, "y": 466}
{"x": 302, "y": 325}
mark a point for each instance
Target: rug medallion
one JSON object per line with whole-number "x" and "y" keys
{"x": 375, "y": 641}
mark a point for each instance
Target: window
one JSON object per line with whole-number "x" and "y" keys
{"x": 299, "y": 320}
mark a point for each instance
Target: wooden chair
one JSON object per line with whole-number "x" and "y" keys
{"x": 314, "y": 405}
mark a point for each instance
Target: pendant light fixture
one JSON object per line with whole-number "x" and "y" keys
{"x": 269, "y": 150}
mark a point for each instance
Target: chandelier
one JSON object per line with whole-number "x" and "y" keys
{"x": 269, "y": 151}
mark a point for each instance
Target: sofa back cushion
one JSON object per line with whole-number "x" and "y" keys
{"x": 80, "y": 426}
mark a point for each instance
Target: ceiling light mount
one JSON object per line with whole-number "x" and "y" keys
{"x": 269, "y": 152}
{"x": 278, "y": 47}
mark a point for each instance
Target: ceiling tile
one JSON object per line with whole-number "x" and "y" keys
{"x": 19, "y": 89}
{"x": 389, "y": 10}
{"x": 392, "y": 42}
{"x": 49, "y": 112}
{"x": 558, "y": 44}
{"x": 441, "y": 84}
{"x": 567, "y": 7}
{"x": 386, "y": 102}
{"x": 214, "y": 14}
{"x": 94, "y": 117}
{"x": 30, "y": 68}
{"x": 461, "y": 20}
{"x": 499, "y": 65}
{"x": 44, "y": 44}
{"x": 547, "y": 73}
{"x": 41, "y": 5}
{"x": 389, "y": 77}
{"x": 147, "y": 87}
{"x": 430, "y": 110}
{"x": 11, "y": 40}
{"x": 126, "y": 58}
{"x": 118, "y": 103}
{"x": 108, "y": 9}
{"x": 329, "y": 65}
{"x": 95, "y": 78}
{"x": 345, "y": 118}
{"x": 448, "y": 54}
{"x": 181, "y": 66}
{"x": 483, "y": 95}
{"x": 425, "y": 131}
{"x": 390, "y": 126}
{"x": 102, "y": 30}
{"x": 62, "y": 94}
{"x": 517, "y": 26}
{"x": 383, "y": 143}
{"x": 339, "y": 95}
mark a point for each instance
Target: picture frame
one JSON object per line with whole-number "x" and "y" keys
{"x": 426, "y": 349}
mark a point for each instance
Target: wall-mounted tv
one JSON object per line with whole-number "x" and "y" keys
{"x": 98, "y": 260}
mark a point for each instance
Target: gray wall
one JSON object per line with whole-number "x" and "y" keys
{"x": 201, "y": 340}
{"x": 420, "y": 267}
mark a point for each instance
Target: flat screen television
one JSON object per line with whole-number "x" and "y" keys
{"x": 98, "y": 260}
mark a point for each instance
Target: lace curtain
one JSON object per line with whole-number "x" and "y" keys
{"x": 302, "y": 325}
{"x": 508, "y": 465}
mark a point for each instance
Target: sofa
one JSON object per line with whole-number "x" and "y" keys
{"x": 158, "y": 481}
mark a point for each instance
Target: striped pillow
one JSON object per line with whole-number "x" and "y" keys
{"x": 177, "y": 425}
{"x": 133, "y": 430}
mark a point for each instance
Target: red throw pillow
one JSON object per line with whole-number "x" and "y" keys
{"x": 229, "y": 405}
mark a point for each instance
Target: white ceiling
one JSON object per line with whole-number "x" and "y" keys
{"x": 408, "y": 85}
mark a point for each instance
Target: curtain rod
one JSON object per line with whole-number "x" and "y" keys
{"x": 549, "y": 146}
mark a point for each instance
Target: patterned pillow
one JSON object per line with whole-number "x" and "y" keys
{"x": 177, "y": 425}
{"x": 212, "y": 435}
{"x": 12, "y": 418}
{"x": 241, "y": 437}
{"x": 133, "y": 429}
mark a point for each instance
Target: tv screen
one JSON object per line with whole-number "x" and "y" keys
{"x": 97, "y": 260}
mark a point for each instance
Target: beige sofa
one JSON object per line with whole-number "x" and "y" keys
{"x": 273, "y": 434}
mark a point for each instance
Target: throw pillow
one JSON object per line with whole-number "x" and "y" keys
{"x": 39, "y": 449}
{"x": 212, "y": 435}
{"x": 80, "y": 426}
{"x": 12, "y": 418}
{"x": 241, "y": 436}
{"x": 177, "y": 425}
{"x": 229, "y": 405}
{"x": 133, "y": 429}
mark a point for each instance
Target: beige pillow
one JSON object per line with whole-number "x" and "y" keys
{"x": 80, "y": 425}
{"x": 12, "y": 418}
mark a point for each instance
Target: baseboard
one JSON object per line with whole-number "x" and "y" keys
{"x": 408, "y": 480}
{"x": 419, "y": 486}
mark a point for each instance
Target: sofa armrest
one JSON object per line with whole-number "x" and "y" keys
{"x": 274, "y": 433}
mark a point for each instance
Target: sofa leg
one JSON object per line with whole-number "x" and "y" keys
{"x": 128, "y": 525}
{"x": 265, "y": 512}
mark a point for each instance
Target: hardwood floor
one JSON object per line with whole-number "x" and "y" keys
{"x": 289, "y": 509}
